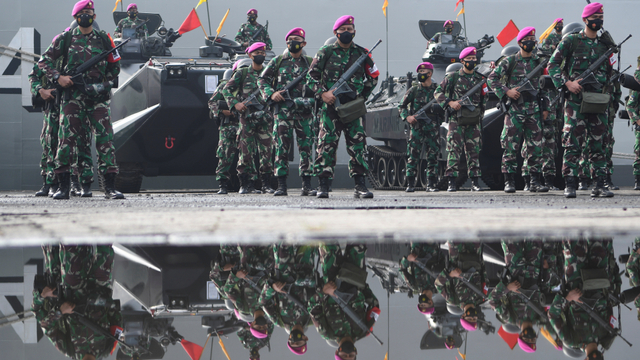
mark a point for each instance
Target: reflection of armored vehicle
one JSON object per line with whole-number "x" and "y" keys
{"x": 447, "y": 50}
{"x": 142, "y": 48}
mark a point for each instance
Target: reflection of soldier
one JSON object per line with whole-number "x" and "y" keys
{"x": 253, "y": 343}
{"x": 131, "y": 22}
{"x": 229, "y": 257}
{"x": 552, "y": 270}
{"x": 255, "y": 261}
{"x": 418, "y": 280}
{"x": 633, "y": 271}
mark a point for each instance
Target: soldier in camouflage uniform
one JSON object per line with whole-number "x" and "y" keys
{"x": 228, "y": 134}
{"x": 293, "y": 114}
{"x": 526, "y": 113}
{"x": 609, "y": 141}
{"x": 633, "y": 271}
{"x": 329, "y": 64}
{"x": 256, "y": 124}
{"x": 419, "y": 281}
{"x": 633, "y": 108}
{"x": 423, "y": 131}
{"x": 463, "y": 137}
{"x": 248, "y": 30}
{"x": 574, "y": 326}
{"x": 132, "y": 21}
{"x": 88, "y": 104}
{"x": 583, "y": 130}
{"x": 448, "y": 30}
{"x": 329, "y": 319}
{"x": 552, "y": 271}
{"x": 228, "y": 258}
{"x": 253, "y": 343}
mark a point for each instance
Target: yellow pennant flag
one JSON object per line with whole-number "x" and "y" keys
{"x": 461, "y": 12}
{"x": 200, "y": 3}
{"x": 546, "y": 33}
{"x": 116, "y": 7}
{"x": 224, "y": 349}
{"x": 386, "y": 356}
{"x": 384, "y": 10}
{"x": 464, "y": 356}
{"x": 220, "y": 26}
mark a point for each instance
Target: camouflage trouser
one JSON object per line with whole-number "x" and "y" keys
{"x": 283, "y": 136}
{"x": 52, "y": 261}
{"x": 467, "y": 139}
{"x": 86, "y": 268}
{"x": 355, "y": 138}
{"x": 523, "y": 259}
{"x": 583, "y": 254}
{"x": 79, "y": 118}
{"x": 49, "y": 142}
{"x": 636, "y": 150}
{"x": 254, "y": 136}
{"x": 517, "y": 126}
{"x": 429, "y": 135}
{"x": 456, "y": 248}
{"x": 332, "y": 258}
{"x": 227, "y": 149}
{"x": 549, "y": 149}
{"x": 583, "y": 131}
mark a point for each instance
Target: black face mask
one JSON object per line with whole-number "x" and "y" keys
{"x": 595, "y": 25}
{"x": 133, "y": 14}
{"x": 258, "y": 59}
{"x": 528, "y": 333}
{"x": 346, "y": 37}
{"x": 84, "y": 20}
{"x": 470, "y": 65}
{"x": 252, "y": 20}
{"x": 596, "y": 355}
{"x": 296, "y": 335}
{"x": 423, "y": 299}
{"x": 528, "y": 45}
{"x": 347, "y": 347}
{"x": 261, "y": 321}
{"x": 448, "y": 30}
{"x": 471, "y": 312}
{"x": 559, "y": 28}
{"x": 422, "y": 78}
{"x": 294, "y": 46}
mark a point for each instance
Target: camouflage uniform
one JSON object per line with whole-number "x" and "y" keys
{"x": 84, "y": 110}
{"x": 581, "y": 131}
{"x": 550, "y": 44}
{"x": 462, "y": 138}
{"x": 416, "y": 278}
{"x": 228, "y": 133}
{"x": 292, "y": 118}
{"x": 422, "y": 133}
{"x": 255, "y": 132}
{"x": 328, "y": 65}
{"x": 254, "y": 260}
{"x": 251, "y": 342}
{"x": 633, "y": 270}
{"x": 552, "y": 277}
{"x": 141, "y": 31}
{"x": 522, "y": 120}
{"x": 246, "y": 32}
{"x": 609, "y": 141}
{"x": 217, "y": 274}
{"x": 633, "y": 108}
{"x": 455, "y": 291}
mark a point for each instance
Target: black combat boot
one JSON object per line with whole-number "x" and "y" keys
{"x": 323, "y": 188}
{"x": 432, "y": 184}
{"x": 527, "y": 182}
{"x": 637, "y": 184}
{"x": 307, "y": 190}
{"x": 64, "y": 185}
{"x": 535, "y": 185}
{"x": 549, "y": 181}
{"x": 475, "y": 184}
{"x": 110, "y": 191}
{"x": 244, "y": 184}
{"x": 86, "y": 190}
{"x": 54, "y": 187}
{"x": 411, "y": 184}
{"x": 44, "y": 190}
{"x": 609, "y": 184}
{"x": 330, "y": 184}
{"x": 570, "y": 187}
{"x": 361, "y": 190}
{"x": 452, "y": 184}
{"x": 75, "y": 186}
{"x": 509, "y": 183}
{"x": 282, "y": 186}
{"x": 224, "y": 187}
{"x": 600, "y": 190}
{"x": 584, "y": 184}
{"x": 266, "y": 184}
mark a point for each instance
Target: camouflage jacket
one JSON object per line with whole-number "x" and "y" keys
{"x": 282, "y": 311}
{"x": 331, "y": 61}
{"x": 551, "y": 277}
{"x": 524, "y": 261}
{"x": 217, "y": 103}
{"x": 551, "y": 42}
{"x": 523, "y": 66}
{"x": 272, "y": 80}
{"x": 415, "y": 98}
{"x": 633, "y": 270}
{"x": 251, "y": 342}
{"x": 127, "y": 22}
{"x": 246, "y": 32}
{"x": 577, "y": 52}
{"x": 574, "y": 326}
{"x": 253, "y": 259}
{"x": 455, "y": 291}
{"x": 511, "y": 309}
{"x": 633, "y": 104}
{"x": 414, "y": 276}
{"x": 81, "y": 49}
{"x": 53, "y": 323}
{"x": 600, "y": 255}
{"x": 444, "y": 94}
{"x": 239, "y": 89}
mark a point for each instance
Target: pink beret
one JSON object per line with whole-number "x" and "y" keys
{"x": 431, "y": 309}
{"x": 132, "y": 5}
{"x": 528, "y": 31}
{"x": 300, "y": 350}
{"x": 469, "y": 326}
{"x": 256, "y": 46}
{"x": 593, "y": 8}
{"x": 559, "y": 20}
{"x": 257, "y": 334}
{"x": 82, "y": 4}
{"x": 343, "y": 20}
{"x": 467, "y": 51}
{"x": 252, "y": 12}
{"x": 425, "y": 65}
{"x": 448, "y": 22}
{"x": 526, "y": 347}
{"x": 295, "y": 32}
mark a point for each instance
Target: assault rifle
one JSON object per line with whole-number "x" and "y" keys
{"x": 525, "y": 84}
{"x": 422, "y": 113}
{"x": 341, "y": 86}
{"x": 465, "y": 100}
{"x": 464, "y": 280}
{"x": 589, "y": 310}
{"x": 286, "y": 92}
{"x": 265, "y": 28}
{"x": 342, "y": 299}
{"x": 252, "y": 101}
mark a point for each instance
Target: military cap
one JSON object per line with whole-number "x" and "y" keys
{"x": 449, "y": 347}
{"x": 343, "y": 20}
{"x": 593, "y": 8}
{"x": 467, "y": 52}
{"x": 295, "y": 32}
{"x": 525, "y": 346}
{"x": 257, "y": 334}
{"x": 468, "y": 325}
{"x": 132, "y": 5}
{"x": 80, "y": 5}
{"x": 559, "y": 20}
{"x": 252, "y": 12}
{"x": 528, "y": 31}
{"x": 448, "y": 22}
{"x": 425, "y": 65}
{"x": 255, "y": 47}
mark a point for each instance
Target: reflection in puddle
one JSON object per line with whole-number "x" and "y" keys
{"x": 339, "y": 300}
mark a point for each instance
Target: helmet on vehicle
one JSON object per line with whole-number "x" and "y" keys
{"x": 453, "y": 68}
{"x": 572, "y": 28}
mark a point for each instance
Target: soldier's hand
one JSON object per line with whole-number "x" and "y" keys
{"x": 545, "y": 264}
{"x": 455, "y": 273}
{"x": 329, "y": 288}
{"x": 240, "y": 107}
{"x": 47, "y": 292}
{"x": 455, "y": 105}
{"x": 65, "y": 81}
{"x": 638, "y": 123}
{"x": 46, "y": 94}
{"x": 545, "y": 115}
{"x": 328, "y": 97}
{"x": 277, "y": 96}
{"x": 574, "y": 295}
{"x": 228, "y": 267}
{"x": 513, "y": 94}
{"x": 514, "y": 286}
{"x": 411, "y": 120}
{"x": 67, "y": 307}
{"x": 574, "y": 86}
{"x": 277, "y": 286}
{"x": 226, "y": 112}
{"x": 411, "y": 257}
{"x": 241, "y": 274}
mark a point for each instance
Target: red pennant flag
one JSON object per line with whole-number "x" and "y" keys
{"x": 510, "y": 339}
{"x": 191, "y": 22}
{"x": 458, "y": 3}
{"x": 508, "y": 33}
{"x": 193, "y": 350}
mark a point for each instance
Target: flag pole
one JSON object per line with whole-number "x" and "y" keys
{"x": 209, "y": 16}
{"x": 203, "y": 30}
{"x": 386, "y": 19}
{"x": 121, "y": 6}
{"x": 464, "y": 19}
